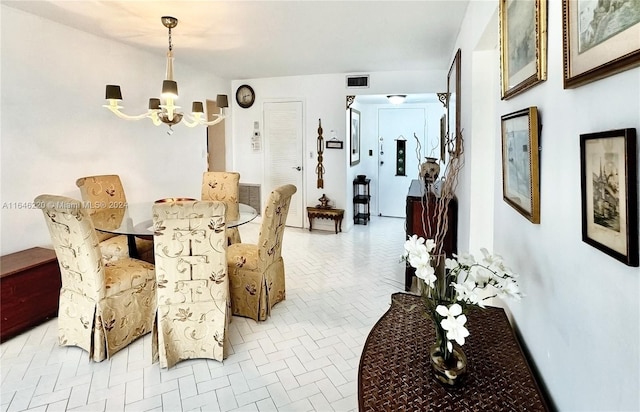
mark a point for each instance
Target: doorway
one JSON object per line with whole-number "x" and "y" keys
{"x": 396, "y": 124}
{"x": 284, "y": 154}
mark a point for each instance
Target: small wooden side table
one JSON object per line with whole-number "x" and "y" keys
{"x": 335, "y": 214}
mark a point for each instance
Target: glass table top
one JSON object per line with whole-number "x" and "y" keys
{"x": 135, "y": 219}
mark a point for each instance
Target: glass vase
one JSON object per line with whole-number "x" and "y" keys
{"x": 449, "y": 367}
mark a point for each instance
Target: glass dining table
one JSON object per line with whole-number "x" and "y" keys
{"x": 133, "y": 220}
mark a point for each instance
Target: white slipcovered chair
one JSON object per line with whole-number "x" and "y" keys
{"x": 224, "y": 187}
{"x": 104, "y": 306}
{"x": 256, "y": 271}
{"x": 193, "y": 287}
{"x": 102, "y": 192}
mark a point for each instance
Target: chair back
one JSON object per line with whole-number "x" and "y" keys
{"x": 190, "y": 249}
{"x": 76, "y": 245}
{"x": 273, "y": 224}
{"x": 224, "y": 187}
{"x": 103, "y": 196}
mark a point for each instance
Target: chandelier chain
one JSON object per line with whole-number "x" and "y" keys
{"x": 170, "y": 45}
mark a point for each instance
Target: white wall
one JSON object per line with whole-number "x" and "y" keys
{"x": 323, "y": 97}
{"x": 580, "y": 318}
{"x": 54, "y": 129}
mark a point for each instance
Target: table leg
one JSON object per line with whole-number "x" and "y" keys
{"x": 335, "y": 223}
{"x": 310, "y": 222}
{"x": 133, "y": 249}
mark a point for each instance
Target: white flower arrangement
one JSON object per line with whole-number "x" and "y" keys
{"x": 466, "y": 282}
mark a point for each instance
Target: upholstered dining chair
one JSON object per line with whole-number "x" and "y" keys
{"x": 225, "y": 187}
{"x": 104, "y": 306}
{"x": 256, "y": 271}
{"x": 102, "y": 191}
{"x": 193, "y": 287}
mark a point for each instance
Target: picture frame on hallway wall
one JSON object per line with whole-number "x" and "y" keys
{"x": 608, "y": 177}
{"x": 523, "y": 45}
{"x": 599, "y": 39}
{"x": 520, "y": 162}
{"x": 354, "y": 140}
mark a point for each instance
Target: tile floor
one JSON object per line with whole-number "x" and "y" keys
{"x": 303, "y": 358}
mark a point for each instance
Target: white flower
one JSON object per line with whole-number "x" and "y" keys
{"x": 465, "y": 259}
{"x": 508, "y": 288}
{"x": 466, "y": 292}
{"x": 426, "y": 273}
{"x": 414, "y": 246}
{"x": 453, "y": 323}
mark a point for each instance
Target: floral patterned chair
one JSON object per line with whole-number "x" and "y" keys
{"x": 193, "y": 287}
{"x": 103, "y": 191}
{"x": 256, "y": 272}
{"x": 103, "y": 306}
{"x": 225, "y": 187}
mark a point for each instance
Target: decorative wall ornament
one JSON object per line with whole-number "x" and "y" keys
{"x": 320, "y": 167}
{"x": 443, "y": 98}
{"x": 350, "y": 100}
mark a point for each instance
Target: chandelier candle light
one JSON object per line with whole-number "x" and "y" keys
{"x": 164, "y": 110}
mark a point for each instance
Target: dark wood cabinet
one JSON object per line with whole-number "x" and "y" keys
{"x": 29, "y": 290}
{"x": 422, "y": 220}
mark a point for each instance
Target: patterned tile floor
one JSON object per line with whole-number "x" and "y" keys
{"x": 303, "y": 358}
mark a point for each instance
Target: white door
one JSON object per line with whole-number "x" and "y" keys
{"x": 284, "y": 154}
{"x": 394, "y": 124}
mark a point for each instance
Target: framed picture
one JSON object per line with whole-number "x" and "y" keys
{"x": 609, "y": 193}
{"x": 600, "y": 38}
{"x": 354, "y": 126}
{"x": 334, "y": 144}
{"x": 454, "y": 134}
{"x": 520, "y": 162}
{"x": 523, "y": 45}
{"x": 443, "y": 137}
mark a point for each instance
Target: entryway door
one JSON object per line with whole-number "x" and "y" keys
{"x": 396, "y": 124}
{"x": 284, "y": 154}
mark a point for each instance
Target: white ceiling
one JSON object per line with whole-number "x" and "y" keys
{"x": 254, "y": 39}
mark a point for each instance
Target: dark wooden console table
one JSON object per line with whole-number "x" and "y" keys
{"x": 325, "y": 213}
{"x": 395, "y": 373}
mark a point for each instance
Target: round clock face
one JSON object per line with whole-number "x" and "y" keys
{"x": 245, "y": 96}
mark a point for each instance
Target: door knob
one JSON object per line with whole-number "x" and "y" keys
{"x": 298, "y": 168}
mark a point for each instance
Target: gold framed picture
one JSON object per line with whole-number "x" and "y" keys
{"x": 520, "y": 162}
{"x": 523, "y": 45}
{"x": 600, "y": 38}
{"x": 609, "y": 193}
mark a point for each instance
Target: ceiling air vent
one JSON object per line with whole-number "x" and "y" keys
{"x": 360, "y": 82}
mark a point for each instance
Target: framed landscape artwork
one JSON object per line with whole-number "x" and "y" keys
{"x": 523, "y": 45}
{"x": 354, "y": 142}
{"x": 520, "y": 162}
{"x": 609, "y": 193}
{"x": 600, "y": 38}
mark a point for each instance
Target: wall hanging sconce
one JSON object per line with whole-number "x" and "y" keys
{"x": 320, "y": 167}
{"x": 163, "y": 110}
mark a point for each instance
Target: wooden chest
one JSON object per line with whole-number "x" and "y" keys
{"x": 29, "y": 290}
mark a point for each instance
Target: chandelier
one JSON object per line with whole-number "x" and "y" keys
{"x": 164, "y": 110}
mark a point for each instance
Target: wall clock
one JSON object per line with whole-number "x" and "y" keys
{"x": 245, "y": 96}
